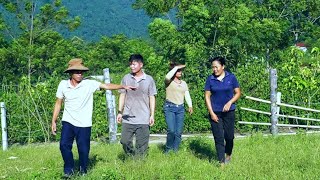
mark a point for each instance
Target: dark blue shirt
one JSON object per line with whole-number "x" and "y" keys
{"x": 221, "y": 91}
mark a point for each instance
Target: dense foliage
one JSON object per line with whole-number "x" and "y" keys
{"x": 253, "y": 35}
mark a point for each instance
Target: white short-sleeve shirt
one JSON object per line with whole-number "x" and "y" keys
{"x": 78, "y": 101}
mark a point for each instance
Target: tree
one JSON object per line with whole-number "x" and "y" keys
{"x": 155, "y": 8}
{"x": 35, "y": 21}
{"x": 237, "y": 29}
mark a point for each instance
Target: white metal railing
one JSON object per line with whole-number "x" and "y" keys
{"x": 280, "y": 115}
{"x": 282, "y": 104}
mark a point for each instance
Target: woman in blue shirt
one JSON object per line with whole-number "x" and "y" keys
{"x": 221, "y": 92}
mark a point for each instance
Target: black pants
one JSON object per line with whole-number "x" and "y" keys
{"x": 142, "y": 132}
{"x": 223, "y": 133}
{"x": 82, "y": 135}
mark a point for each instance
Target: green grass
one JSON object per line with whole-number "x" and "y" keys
{"x": 255, "y": 157}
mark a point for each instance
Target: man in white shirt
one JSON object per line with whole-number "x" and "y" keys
{"x": 77, "y": 95}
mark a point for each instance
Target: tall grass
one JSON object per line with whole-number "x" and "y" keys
{"x": 254, "y": 157}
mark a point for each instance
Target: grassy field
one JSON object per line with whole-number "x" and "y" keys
{"x": 254, "y": 157}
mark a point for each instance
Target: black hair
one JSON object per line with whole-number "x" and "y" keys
{"x": 136, "y": 57}
{"x": 221, "y": 60}
{"x": 173, "y": 64}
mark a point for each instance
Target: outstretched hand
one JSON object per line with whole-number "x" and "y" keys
{"x": 130, "y": 87}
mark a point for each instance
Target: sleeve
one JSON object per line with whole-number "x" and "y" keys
{"x": 207, "y": 85}
{"x": 188, "y": 98}
{"x": 95, "y": 85}
{"x": 235, "y": 82}
{"x": 171, "y": 73}
{"x": 59, "y": 93}
{"x": 152, "y": 88}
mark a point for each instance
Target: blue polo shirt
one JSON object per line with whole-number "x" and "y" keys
{"x": 221, "y": 91}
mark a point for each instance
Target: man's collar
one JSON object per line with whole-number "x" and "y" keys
{"x": 144, "y": 76}
{"x": 70, "y": 85}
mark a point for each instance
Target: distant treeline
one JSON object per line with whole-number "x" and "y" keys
{"x": 101, "y": 18}
{"x": 107, "y": 18}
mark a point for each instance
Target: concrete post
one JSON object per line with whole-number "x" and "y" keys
{"x": 278, "y": 101}
{"x": 110, "y": 109}
{"x": 273, "y": 99}
{"x": 4, "y": 127}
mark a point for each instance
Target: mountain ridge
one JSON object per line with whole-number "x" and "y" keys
{"x": 106, "y": 18}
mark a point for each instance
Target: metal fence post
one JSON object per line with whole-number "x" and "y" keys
{"x": 111, "y": 109}
{"x": 4, "y": 127}
{"x": 273, "y": 99}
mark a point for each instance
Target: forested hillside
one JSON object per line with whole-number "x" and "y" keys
{"x": 107, "y": 18}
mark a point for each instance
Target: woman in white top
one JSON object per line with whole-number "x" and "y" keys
{"x": 176, "y": 92}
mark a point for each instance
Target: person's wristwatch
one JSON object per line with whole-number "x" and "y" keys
{"x": 119, "y": 112}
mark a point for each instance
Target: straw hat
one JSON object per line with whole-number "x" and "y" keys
{"x": 76, "y": 64}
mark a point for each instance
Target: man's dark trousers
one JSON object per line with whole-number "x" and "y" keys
{"x": 142, "y": 132}
{"x": 82, "y": 136}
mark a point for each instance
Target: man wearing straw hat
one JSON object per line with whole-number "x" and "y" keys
{"x": 77, "y": 95}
